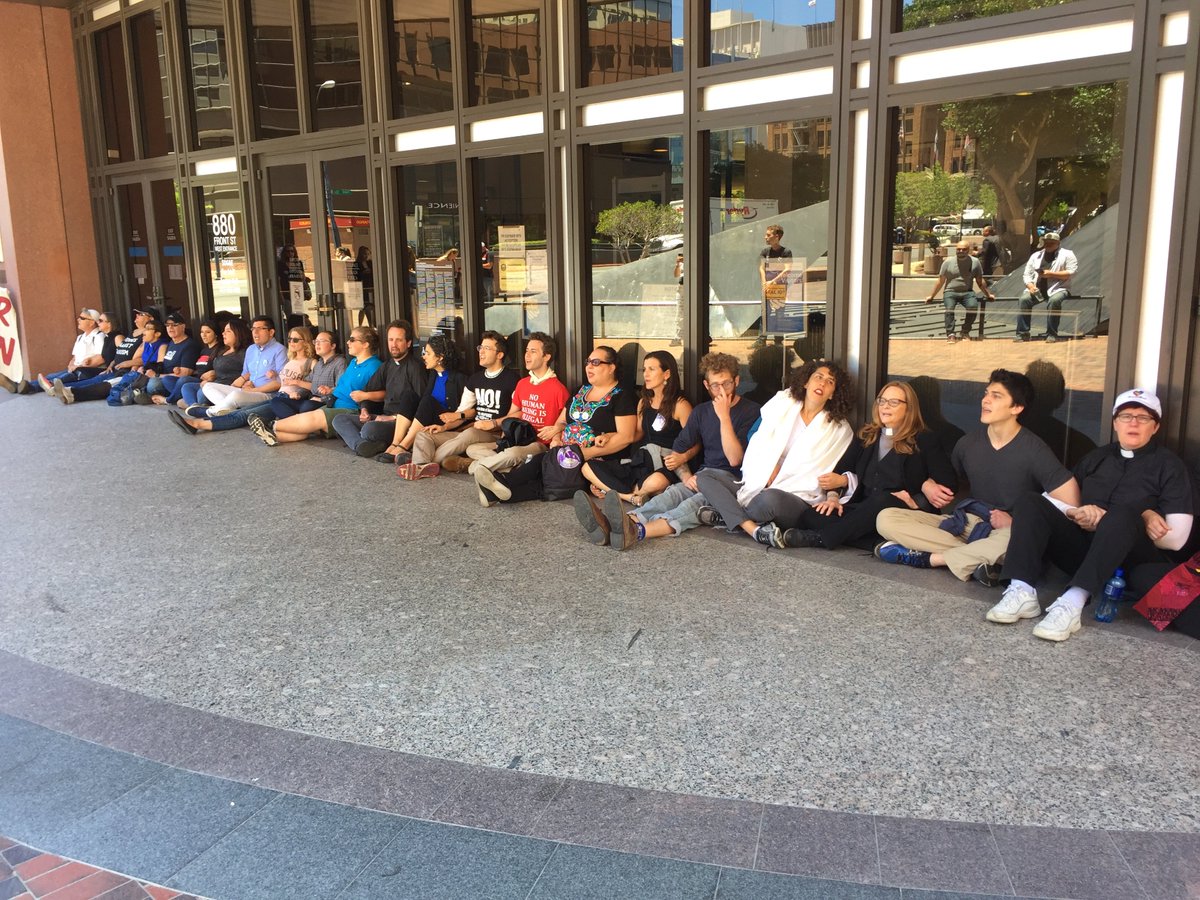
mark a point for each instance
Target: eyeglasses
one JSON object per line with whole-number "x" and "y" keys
{"x": 353, "y": 340}
{"x": 1130, "y": 418}
{"x": 595, "y": 361}
{"x": 295, "y": 340}
{"x": 888, "y": 402}
{"x": 485, "y": 347}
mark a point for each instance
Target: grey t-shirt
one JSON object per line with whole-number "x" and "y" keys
{"x": 999, "y": 477}
{"x": 952, "y": 272}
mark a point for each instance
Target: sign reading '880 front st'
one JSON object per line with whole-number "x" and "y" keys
{"x": 226, "y": 233}
{"x": 11, "y": 363}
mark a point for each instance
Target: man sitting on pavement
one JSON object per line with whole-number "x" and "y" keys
{"x": 1001, "y": 463}
{"x": 1047, "y": 275}
{"x": 488, "y": 396}
{"x": 178, "y": 360}
{"x": 538, "y": 399}
{"x": 717, "y": 432}
{"x": 957, "y": 275}
{"x": 398, "y": 385}
{"x": 86, "y": 360}
{"x": 1136, "y": 505}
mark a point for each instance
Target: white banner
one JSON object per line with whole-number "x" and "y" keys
{"x": 11, "y": 363}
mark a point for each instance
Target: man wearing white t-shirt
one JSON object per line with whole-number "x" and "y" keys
{"x": 87, "y": 355}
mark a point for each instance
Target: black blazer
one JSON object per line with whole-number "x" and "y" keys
{"x": 898, "y": 471}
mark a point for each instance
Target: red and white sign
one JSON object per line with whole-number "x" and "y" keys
{"x": 11, "y": 363}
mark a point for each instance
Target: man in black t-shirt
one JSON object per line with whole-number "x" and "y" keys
{"x": 488, "y": 396}
{"x": 179, "y": 360}
{"x": 1135, "y": 507}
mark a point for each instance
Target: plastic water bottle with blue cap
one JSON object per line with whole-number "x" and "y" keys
{"x": 1106, "y": 610}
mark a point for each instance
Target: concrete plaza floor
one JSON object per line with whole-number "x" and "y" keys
{"x": 314, "y": 593}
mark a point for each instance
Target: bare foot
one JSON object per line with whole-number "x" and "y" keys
{"x": 158, "y": 400}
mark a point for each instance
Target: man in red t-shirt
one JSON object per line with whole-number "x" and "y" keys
{"x": 539, "y": 399}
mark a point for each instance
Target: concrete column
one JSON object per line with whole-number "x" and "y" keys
{"x": 45, "y": 211}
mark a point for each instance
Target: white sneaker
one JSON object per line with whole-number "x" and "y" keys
{"x": 1060, "y": 623}
{"x": 1016, "y": 604}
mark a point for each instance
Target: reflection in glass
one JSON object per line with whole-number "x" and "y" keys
{"x": 150, "y": 73}
{"x": 168, "y": 233}
{"x": 433, "y": 257}
{"x": 348, "y": 225}
{"x": 505, "y": 51}
{"x": 228, "y": 283}
{"x": 996, "y": 175}
{"x": 422, "y": 80}
{"x": 638, "y": 260}
{"x": 768, "y": 225}
{"x": 510, "y": 255}
{"x": 631, "y": 40}
{"x": 273, "y": 69}
{"x": 135, "y": 245}
{"x": 208, "y": 66}
{"x": 291, "y": 237}
{"x": 335, "y": 63}
{"x": 114, "y": 95}
{"x": 927, "y": 13}
{"x": 752, "y": 29}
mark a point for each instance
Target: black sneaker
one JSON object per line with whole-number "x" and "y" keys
{"x": 709, "y": 516}
{"x": 769, "y": 535}
{"x": 802, "y": 537}
{"x": 987, "y": 575}
{"x": 259, "y": 426}
{"x": 142, "y": 397}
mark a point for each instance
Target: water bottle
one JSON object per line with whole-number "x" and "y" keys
{"x": 1106, "y": 610}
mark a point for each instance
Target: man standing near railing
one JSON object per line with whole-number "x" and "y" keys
{"x": 1047, "y": 275}
{"x": 957, "y": 274}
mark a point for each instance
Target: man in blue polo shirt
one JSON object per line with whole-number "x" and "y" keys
{"x": 265, "y": 358}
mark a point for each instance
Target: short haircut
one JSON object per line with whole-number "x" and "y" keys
{"x": 498, "y": 339}
{"x": 777, "y": 229}
{"x": 368, "y": 334}
{"x": 266, "y": 320}
{"x": 1019, "y": 387}
{"x": 713, "y": 363}
{"x": 549, "y": 347}
{"x": 404, "y": 325}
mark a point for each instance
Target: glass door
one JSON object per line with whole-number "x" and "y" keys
{"x": 324, "y": 268}
{"x": 154, "y": 269}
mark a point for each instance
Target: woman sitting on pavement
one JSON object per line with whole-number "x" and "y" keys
{"x": 295, "y": 372}
{"x": 437, "y": 409}
{"x": 225, "y": 366}
{"x": 652, "y": 466}
{"x": 802, "y": 434}
{"x": 349, "y": 391}
{"x": 210, "y": 347}
{"x": 327, "y": 369}
{"x": 600, "y": 421}
{"x": 895, "y": 462}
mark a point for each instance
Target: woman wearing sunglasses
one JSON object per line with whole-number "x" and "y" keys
{"x": 894, "y": 463}
{"x": 600, "y": 421}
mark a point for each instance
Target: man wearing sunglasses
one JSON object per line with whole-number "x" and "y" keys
{"x": 86, "y": 360}
{"x": 1135, "y": 507}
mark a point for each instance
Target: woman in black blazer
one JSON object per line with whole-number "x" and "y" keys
{"x": 895, "y": 462}
{"x": 438, "y": 408}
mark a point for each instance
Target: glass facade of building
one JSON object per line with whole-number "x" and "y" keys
{"x": 777, "y": 181}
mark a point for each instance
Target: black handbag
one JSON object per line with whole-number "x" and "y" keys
{"x": 561, "y": 472}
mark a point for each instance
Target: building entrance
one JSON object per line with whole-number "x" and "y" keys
{"x": 153, "y": 267}
{"x": 321, "y": 234}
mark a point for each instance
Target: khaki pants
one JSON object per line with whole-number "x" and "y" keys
{"x": 919, "y": 531}
{"x": 436, "y": 447}
{"x": 504, "y": 461}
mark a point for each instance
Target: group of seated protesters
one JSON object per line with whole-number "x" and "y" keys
{"x": 995, "y": 507}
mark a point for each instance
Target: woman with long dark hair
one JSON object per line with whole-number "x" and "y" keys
{"x": 652, "y": 465}
{"x": 895, "y": 462}
{"x": 802, "y": 434}
{"x": 225, "y": 365}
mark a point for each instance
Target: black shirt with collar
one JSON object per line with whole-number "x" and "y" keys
{"x": 1150, "y": 478}
{"x": 399, "y": 380}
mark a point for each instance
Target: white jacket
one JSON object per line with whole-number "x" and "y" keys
{"x": 816, "y": 450}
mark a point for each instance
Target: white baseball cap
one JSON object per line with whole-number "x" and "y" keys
{"x": 1139, "y": 397}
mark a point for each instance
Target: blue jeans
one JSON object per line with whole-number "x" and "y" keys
{"x": 354, "y": 432}
{"x": 114, "y": 393}
{"x": 175, "y": 385}
{"x": 970, "y": 302}
{"x": 189, "y": 393}
{"x": 283, "y": 406}
{"x": 239, "y": 417}
{"x": 65, "y": 376}
{"x": 678, "y": 504}
{"x": 1054, "y": 304}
